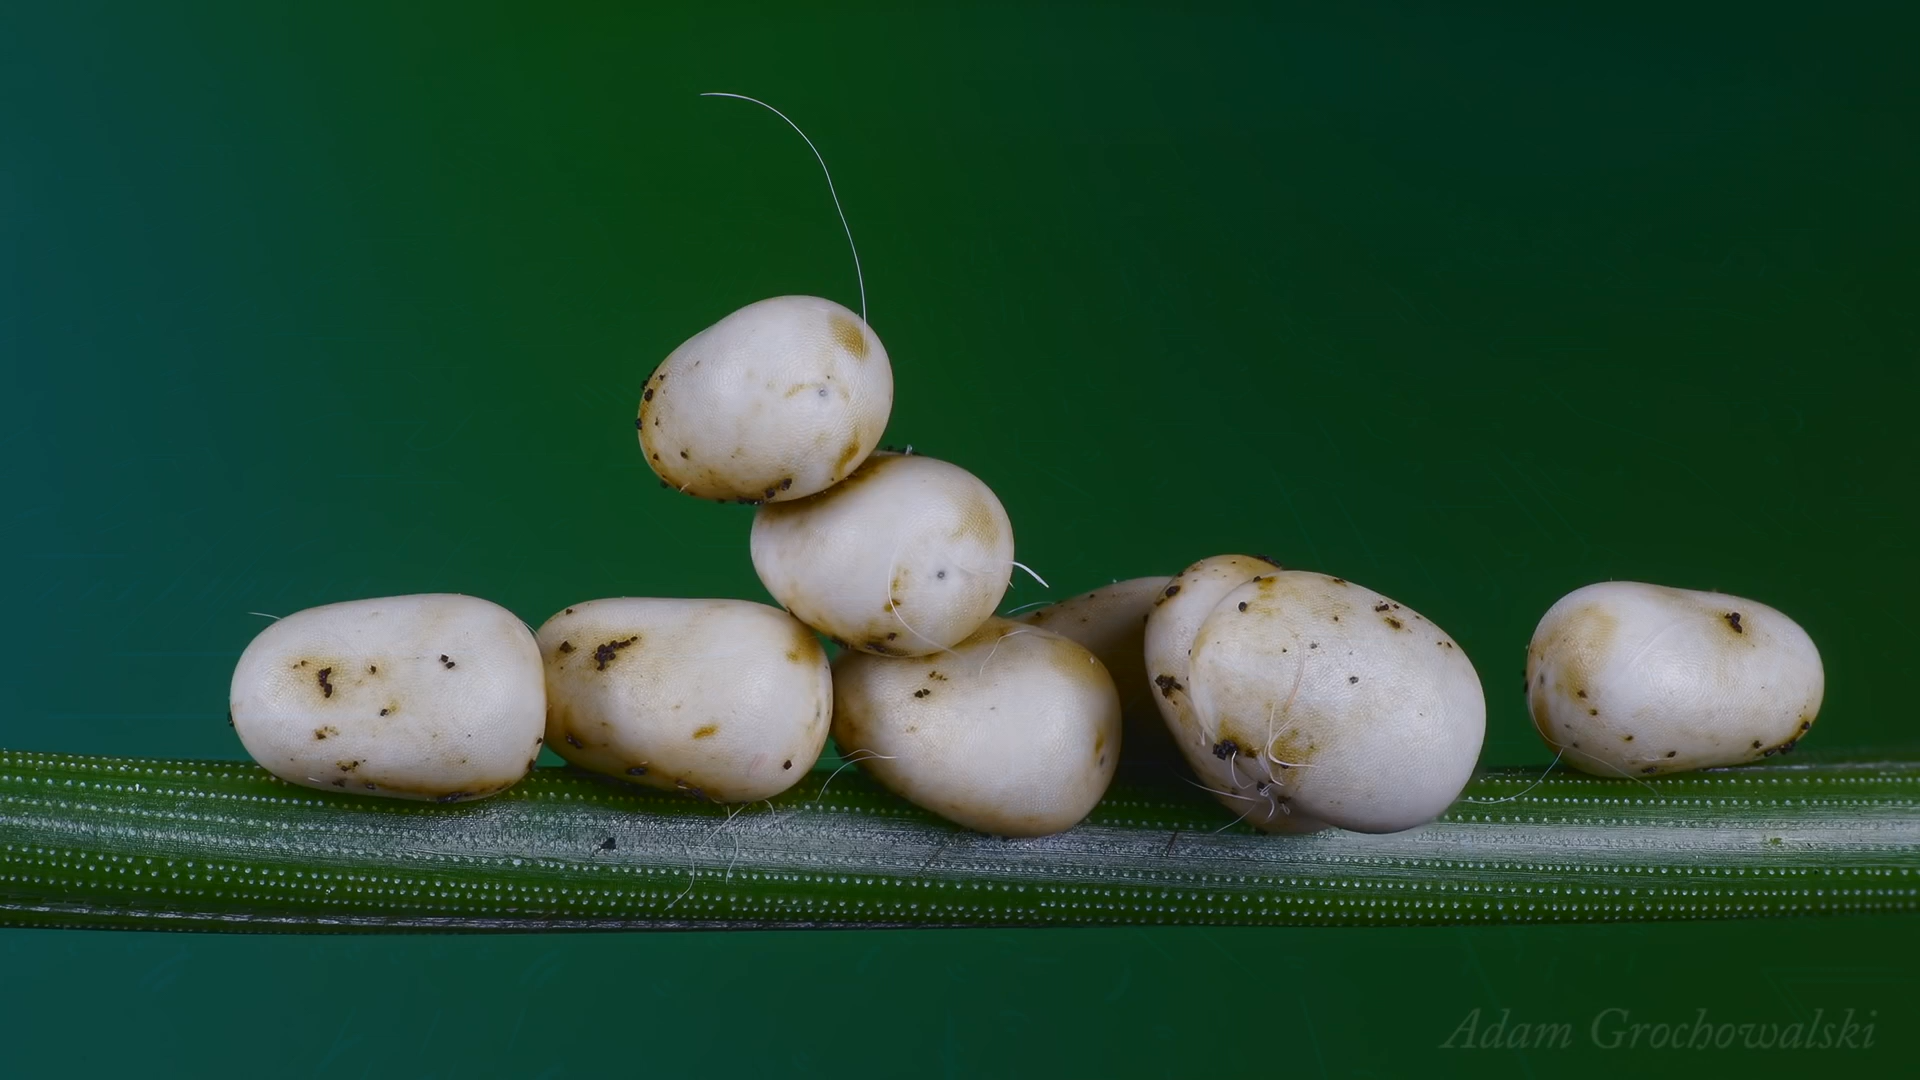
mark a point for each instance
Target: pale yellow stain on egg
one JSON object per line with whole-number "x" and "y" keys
{"x": 846, "y": 333}
{"x": 977, "y": 522}
{"x": 848, "y": 454}
{"x": 1579, "y": 643}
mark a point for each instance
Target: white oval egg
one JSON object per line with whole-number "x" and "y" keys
{"x": 433, "y": 696}
{"x": 1630, "y": 679}
{"x": 1015, "y": 732}
{"x": 906, "y": 557}
{"x": 1111, "y": 622}
{"x": 1176, "y": 616}
{"x": 779, "y": 400}
{"x": 726, "y": 700}
{"x": 1326, "y": 695}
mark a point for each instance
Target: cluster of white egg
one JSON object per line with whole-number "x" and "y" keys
{"x": 900, "y": 559}
{"x": 1300, "y": 699}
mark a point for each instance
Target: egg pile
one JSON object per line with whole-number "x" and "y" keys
{"x": 1301, "y": 700}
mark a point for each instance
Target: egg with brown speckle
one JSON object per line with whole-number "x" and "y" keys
{"x": 1630, "y": 679}
{"x": 1014, "y": 732}
{"x": 432, "y": 696}
{"x": 726, "y": 700}
{"x": 1353, "y": 707}
{"x": 777, "y": 401}
{"x": 906, "y": 557}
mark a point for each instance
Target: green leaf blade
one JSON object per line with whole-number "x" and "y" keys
{"x": 111, "y": 842}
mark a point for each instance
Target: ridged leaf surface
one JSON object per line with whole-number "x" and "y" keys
{"x": 214, "y": 845}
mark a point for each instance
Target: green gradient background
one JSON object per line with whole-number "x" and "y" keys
{"x": 1472, "y": 308}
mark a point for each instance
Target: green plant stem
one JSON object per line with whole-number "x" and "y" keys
{"x": 215, "y": 845}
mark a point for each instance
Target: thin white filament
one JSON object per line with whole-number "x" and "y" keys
{"x": 1217, "y": 791}
{"x": 996, "y": 648}
{"x": 1036, "y": 577}
{"x": 847, "y": 761}
{"x": 1542, "y": 779}
{"x": 858, "y": 275}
